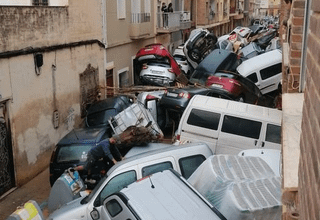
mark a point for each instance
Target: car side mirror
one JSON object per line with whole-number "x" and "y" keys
{"x": 95, "y": 214}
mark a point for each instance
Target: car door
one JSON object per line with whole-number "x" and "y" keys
{"x": 117, "y": 182}
{"x": 201, "y": 126}
{"x": 271, "y": 136}
{"x": 269, "y": 78}
{"x": 237, "y": 134}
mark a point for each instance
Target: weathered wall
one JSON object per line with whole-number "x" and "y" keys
{"x": 70, "y": 40}
{"x": 309, "y": 177}
{"x": 30, "y": 26}
{"x": 32, "y": 106}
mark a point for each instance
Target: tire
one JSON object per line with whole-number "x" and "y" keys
{"x": 241, "y": 98}
{"x": 195, "y": 55}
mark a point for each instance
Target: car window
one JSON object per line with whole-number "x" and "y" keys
{"x": 101, "y": 117}
{"x": 204, "y": 119}
{"x": 148, "y": 170}
{"x": 113, "y": 207}
{"x": 117, "y": 183}
{"x": 67, "y": 153}
{"x": 273, "y": 133}
{"x": 270, "y": 71}
{"x": 253, "y": 77}
{"x": 241, "y": 126}
{"x": 189, "y": 164}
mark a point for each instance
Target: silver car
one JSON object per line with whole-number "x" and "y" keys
{"x": 184, "y": 159}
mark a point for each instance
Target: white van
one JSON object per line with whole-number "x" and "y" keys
{"x": 265, "y": 70}
{"x": 184, "y": 159}
{"x": 164, "y": 195}
{"x": 229, "y": 127}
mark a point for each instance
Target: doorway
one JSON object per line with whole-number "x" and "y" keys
{"x": 7, "y": 180}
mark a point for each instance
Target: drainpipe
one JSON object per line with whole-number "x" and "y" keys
{"x": 304, "y": 45}
{"x": 104, "y": 39}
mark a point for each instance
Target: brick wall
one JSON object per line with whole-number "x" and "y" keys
{"x": 309, "y": 167}
{"x": 291, "y": 77}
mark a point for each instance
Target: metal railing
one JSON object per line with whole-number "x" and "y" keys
{"x": 137, "y": 18}
{"x": 173, "y": 20}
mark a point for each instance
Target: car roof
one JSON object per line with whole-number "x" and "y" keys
{"x": 211, "y": 62}
{"x": 228, "y": 106}
{"x": 171, "y": 198}
{"x": 83, "y": 136}
{"x": 263, "y": 60}
{"x": 136, "y": 159}
{"x": 118, "y": 102}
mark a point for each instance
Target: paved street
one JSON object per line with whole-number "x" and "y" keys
{"x": 38, "y": 189}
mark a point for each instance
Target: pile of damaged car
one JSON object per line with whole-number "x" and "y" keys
{"x": 202, "y": 129}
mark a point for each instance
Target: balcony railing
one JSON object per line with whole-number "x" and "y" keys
{"x": 137, "y": 18}
{"x": 173, "y": 21}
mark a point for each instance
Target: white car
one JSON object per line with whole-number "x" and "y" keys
{"x": 265, "y": 70}
{"x": 181, "y": 59}
{"x": 184, "y": 159}
{"x": 157, "y": 73}
{"x": 200, "y": 43}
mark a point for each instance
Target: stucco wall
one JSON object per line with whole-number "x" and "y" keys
{"x": 31, "y": 26}
{"x": 31, "y": 107}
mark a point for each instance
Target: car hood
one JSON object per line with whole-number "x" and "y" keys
{"x": 71, "y": 210}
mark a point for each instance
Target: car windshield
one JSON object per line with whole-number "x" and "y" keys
{"x": 74, "y": 152}
{"x": 101, "y": 117}
{"x": 200, "y": 76}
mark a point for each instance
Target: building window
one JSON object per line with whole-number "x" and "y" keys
{"x": 123, "y": 76}
{"x": 40, "y": 2}
{"x": 121, "y": 9}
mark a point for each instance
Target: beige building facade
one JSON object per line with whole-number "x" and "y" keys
{"x": 47, "y": 57}
{"x": 56, "y": 60}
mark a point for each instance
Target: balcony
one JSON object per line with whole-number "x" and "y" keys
{"x": 169, "y": 22}
{"x": 140, "y": 26}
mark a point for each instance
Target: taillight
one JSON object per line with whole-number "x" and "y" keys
{"x": 184, "y": 95}
{"x": 178, "y": 137}
{"x": 170, "y": 70}
{"x": 144, "y": 66}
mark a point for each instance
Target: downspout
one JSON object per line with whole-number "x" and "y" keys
{"x": 304, "y": 45}
{"x": 104, "y": 39}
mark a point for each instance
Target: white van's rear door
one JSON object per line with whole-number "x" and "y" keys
{"x": 201, "y": 126}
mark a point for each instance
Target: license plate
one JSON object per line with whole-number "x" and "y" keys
{"x": 172, "y": 94}
{"x": 217, "y": 85}
{"x": 157, "y": 72}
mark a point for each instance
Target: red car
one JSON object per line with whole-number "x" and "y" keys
{"x": 241, "y": 88}
{"x": 155, "y": 65}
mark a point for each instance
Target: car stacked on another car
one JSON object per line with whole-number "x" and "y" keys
{"x": 73, "y": 148}
{"x": 154, "y": 65}
{"x": 200, "y": 43}
{"x": 181, "y": 59}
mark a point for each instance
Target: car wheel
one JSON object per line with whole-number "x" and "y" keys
{"x": 211, "y": 39}
{"x": 195, "y": 55}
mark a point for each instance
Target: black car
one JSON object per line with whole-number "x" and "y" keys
{"x": 177, "y": 99}
{"x": 99, "y": 112}
{"x": 72, "y": 150}
{"x": 217, "y": 60}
